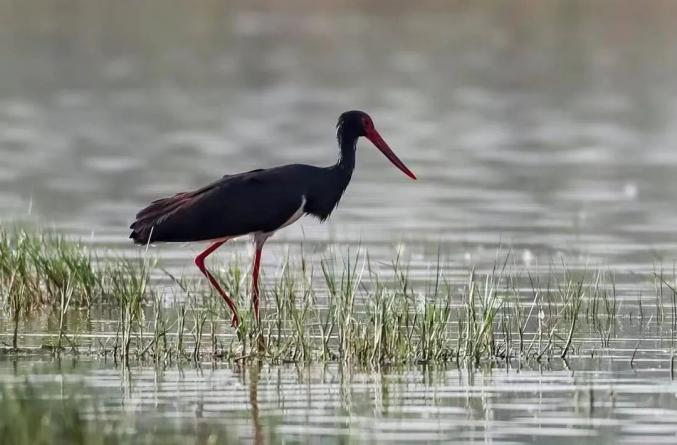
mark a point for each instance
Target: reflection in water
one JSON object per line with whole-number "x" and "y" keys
{"x": 254, "y": 369}
{"x": 598, "y": 401}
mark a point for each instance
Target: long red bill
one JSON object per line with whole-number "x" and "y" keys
{"x": 378, "y": 141}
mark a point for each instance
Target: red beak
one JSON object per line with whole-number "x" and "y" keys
{"x": 378, "y": 141}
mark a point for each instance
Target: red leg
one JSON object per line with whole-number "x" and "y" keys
{"x": 200, "y": 263}
{"x": 259, "y": 241}
{"x": 255, "y": 281}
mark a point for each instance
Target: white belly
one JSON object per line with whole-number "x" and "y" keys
{"x": 261, "y": 237}
{"x": 297, "y": 214}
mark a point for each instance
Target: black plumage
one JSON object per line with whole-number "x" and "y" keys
{"x": 258, "y": 202}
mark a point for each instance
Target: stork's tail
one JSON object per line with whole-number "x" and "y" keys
{"x": 149, "y": 219}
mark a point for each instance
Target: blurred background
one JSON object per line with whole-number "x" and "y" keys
{"x": 544, "y": 125}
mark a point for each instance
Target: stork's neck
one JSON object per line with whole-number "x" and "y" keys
{"x": 326, "y": 194}
{"x": 346, "y": 161}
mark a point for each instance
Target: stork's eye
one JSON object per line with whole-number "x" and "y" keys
{"x": 367, "y": 124}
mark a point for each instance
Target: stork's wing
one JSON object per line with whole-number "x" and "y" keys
{"x": 260, "y": 200}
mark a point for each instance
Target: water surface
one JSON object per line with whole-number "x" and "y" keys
{"x": 547, "y": 404}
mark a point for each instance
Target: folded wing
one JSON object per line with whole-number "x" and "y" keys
{"x": 256, "y": 201}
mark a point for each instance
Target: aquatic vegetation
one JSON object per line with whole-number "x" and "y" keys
{"x": 40, "y": 271}
{"x": 127, "y": 283}
{"x": 43, "y": 267}
{"x": 346, "y": 309}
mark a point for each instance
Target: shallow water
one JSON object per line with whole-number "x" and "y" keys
{"x": 541, "y": 128}
{"x": 592, "y": 401}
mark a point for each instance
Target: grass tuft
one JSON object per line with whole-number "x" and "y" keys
{"x": 346, "y": 309}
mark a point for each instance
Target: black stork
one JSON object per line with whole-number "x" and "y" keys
{"x": 258, "y": 202}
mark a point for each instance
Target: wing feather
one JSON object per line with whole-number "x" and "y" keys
{"x": 260, "y": 200}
